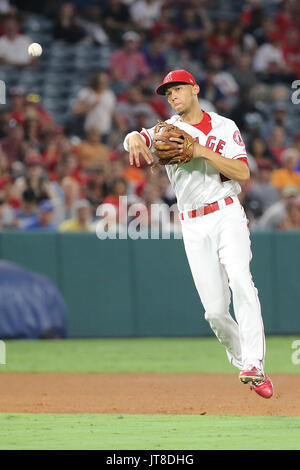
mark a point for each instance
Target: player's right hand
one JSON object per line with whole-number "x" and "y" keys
{"x": 138, "y": 148}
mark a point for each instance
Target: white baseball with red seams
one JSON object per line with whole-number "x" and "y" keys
{"x": 217, "y": 244}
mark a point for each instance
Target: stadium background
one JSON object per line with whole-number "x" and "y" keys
{"x": 61, "y": 156}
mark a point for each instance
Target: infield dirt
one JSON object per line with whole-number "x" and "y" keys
{"x": 196, "y": 394}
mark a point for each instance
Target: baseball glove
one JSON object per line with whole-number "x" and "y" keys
{"x": 167, "y": 151}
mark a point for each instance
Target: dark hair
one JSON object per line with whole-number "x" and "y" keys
{"x": 94, "y": 80}
{"x": 29, "y": 195}
{"x": 115, "y": 181}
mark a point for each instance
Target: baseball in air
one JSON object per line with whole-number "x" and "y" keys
{"x": 35, "y": 49}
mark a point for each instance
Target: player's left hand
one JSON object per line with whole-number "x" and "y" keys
{"x": 173, "y": 146}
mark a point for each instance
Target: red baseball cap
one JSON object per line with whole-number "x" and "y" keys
{"x": 175, "y": 76}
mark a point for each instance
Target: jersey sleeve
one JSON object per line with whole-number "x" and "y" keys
{"x": 235, "y": 146}
{"x": 147, "y": 134}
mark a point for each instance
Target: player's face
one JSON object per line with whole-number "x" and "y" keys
{"x": 180, "y": 97}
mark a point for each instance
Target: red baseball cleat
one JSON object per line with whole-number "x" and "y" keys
{"x": 264, "y": 389}
{"x": 250, "y": 374}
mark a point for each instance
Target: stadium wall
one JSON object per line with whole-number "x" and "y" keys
{"x": 124, "y": 288}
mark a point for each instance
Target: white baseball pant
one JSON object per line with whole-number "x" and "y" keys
{"x": 218, "y": 249}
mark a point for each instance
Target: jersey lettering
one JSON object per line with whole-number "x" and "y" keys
{"x": 211, "y": 144}
{"x": 220, "y": 146}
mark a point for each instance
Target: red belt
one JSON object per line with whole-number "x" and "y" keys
{"x": 214, "y": 206}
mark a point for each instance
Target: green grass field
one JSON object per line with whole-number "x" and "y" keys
{"x": 149, "y": 432}
{"x": 190, "y": 355}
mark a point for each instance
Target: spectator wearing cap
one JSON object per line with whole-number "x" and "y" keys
{"x": 82, "y": 219}
{"x": 35, "y": 109}
{"x": 128, "y": 63}
{"x": 13, "y": 45}
{"x": 43, "y": 220}
{"x": 287, "y": 175}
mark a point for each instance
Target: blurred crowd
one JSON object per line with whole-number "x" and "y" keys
{"x": 54, "y": 177}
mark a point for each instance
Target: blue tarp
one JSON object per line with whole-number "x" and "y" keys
{"x": 30, "y": 305}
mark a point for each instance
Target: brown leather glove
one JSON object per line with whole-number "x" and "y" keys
{"x": 167, "y": 151}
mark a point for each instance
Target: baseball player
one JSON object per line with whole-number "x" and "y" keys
{"x": 214, "y": 224}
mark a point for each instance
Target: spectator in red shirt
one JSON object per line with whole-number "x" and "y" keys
{"x": 291, "y": 51}
{"x": 253, "y": 16}
{"x": 33, "y": 105}
{"x": 284, "y": 17}
{"x": 221, "y": 42}
{"x": 18, "y": 103}
{"x": 128, "y": 63}
{"x": 165, "y": 24}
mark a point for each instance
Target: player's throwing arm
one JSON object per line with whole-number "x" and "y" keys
{"x": 138, "y": 148}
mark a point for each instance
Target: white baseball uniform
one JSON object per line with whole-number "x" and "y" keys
{"x": 218, "y": 244}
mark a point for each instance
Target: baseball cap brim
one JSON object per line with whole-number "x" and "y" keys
{"x": 174, "y": 78}
{"x": 161, "y": 89}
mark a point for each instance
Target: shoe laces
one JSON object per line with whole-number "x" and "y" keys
{"x": 258, "y": 382}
